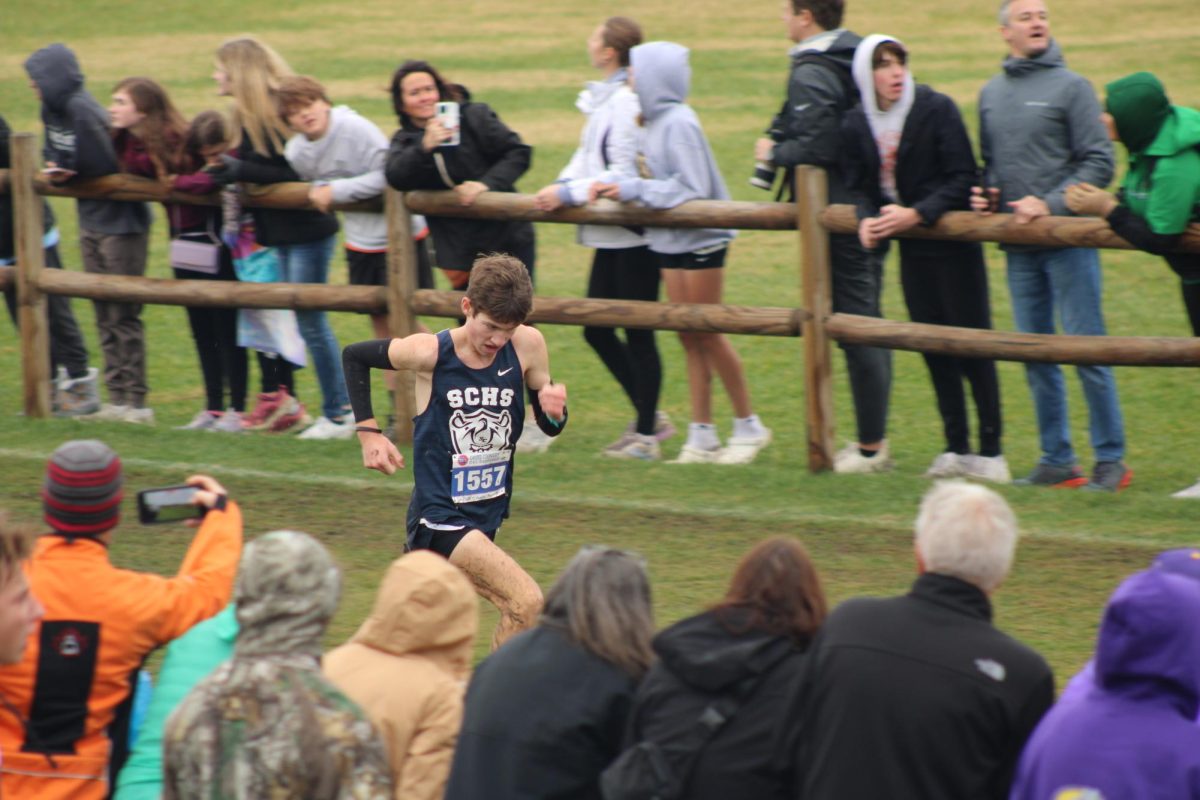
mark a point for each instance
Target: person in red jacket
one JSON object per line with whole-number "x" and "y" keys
{"x": 64, "y": 708}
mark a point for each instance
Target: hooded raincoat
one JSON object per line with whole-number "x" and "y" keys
{"x": 1131, "y": 733}
{"x": 407, "y": 665}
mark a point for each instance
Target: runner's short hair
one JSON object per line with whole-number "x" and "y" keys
{"x": 500, "y": 287}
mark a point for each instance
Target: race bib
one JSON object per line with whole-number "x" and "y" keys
{"x": 478, "y": 476}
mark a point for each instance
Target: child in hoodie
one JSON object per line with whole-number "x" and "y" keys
{"x": 676, "y": 165}
{"x": 343, "y": 155}
{"x": 1160, "y": 195}
{"x": 113, "y": 235}
{"x": 907, "y": 161}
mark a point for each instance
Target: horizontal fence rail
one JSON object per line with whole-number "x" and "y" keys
{"x": 811, "y": 216}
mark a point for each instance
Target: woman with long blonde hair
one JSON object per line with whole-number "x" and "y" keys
{"x": 250, "y": 72}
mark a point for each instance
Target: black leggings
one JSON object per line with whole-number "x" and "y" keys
{"x": 949, "y": 287}
{"x": 629, "y": 273}
{"x": 66, "y": 342}
{"x": 214, "y": 330}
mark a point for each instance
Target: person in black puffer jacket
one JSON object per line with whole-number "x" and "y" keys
{"x": 489, "y": 157}
{"x": 757, "y": 634}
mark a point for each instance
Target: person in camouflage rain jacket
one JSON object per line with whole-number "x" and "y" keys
{"x": 266, "y": 723}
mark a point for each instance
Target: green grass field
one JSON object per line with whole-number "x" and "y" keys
{"x": 528, "y": 61}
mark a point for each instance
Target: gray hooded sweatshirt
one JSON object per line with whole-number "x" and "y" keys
{"x": 1040, "y": 131}
{"x": 678, "y": 160}
{"x": 77, "y": 138}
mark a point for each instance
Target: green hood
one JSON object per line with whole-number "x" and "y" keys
{"x": 1139, "y": 107}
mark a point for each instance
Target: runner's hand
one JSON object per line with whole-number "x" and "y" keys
{"x": 379, "y": 453}
{"x": 553, "y": 399}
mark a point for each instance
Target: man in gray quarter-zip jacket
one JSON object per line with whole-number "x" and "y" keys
{"x": 1040, "y": 132}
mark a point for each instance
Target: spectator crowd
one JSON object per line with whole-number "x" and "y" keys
{"x": 765, "y": 693}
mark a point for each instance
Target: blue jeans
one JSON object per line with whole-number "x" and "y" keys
{"x": 309, "y": 263}
{"x": 1066, "y": 280}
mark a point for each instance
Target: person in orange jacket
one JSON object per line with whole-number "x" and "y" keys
{"x": 64, "y": 707}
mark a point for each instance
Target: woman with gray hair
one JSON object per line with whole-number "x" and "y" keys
{"x": 266, "y": 723}
{"x": 546, "y": 712}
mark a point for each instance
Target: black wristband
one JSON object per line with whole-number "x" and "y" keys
{"x": 366, "y": 429}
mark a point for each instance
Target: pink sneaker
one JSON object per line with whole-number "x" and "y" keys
{"x": 270, "y": 406}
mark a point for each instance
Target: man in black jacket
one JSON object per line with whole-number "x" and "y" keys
{"x": 920, "y": 696}
{"x": 808, "y": 131}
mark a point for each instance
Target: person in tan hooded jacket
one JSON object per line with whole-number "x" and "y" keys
{"x": 407, "y": 666}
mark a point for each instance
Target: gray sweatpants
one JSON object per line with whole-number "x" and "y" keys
{"x": 119, "y": 325}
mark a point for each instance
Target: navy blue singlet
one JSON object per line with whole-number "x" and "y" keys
{"x": 463, "y": 442}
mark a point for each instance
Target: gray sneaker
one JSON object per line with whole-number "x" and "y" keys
{"x": 75, "y": 397}
{"x": 1055, "y": 476}
{"x": 1109, "y": 476}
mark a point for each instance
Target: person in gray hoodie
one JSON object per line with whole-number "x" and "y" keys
{"x": 1040, "y": 132}
{"x": 676, "y": 165}
{"x": 113, "y": 235}
{"x": 342, "y": 154}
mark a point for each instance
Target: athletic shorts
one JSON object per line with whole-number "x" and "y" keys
{"x": 708, "y": 258}
{"x": 370, "y": 269}
{"x": 422, "y": 537}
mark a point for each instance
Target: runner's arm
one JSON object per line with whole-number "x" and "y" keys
{"x": 547, "y": 398}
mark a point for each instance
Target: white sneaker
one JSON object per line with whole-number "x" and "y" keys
{"x": 139, "y": 416}
{"x": 850, "y": 461}
{"x": 643, "y": 448}
{"x": 203, "y": 421}
{"x": 947, "y": 465}
{"x": 986, "y": 468}
{"x": 1190, "y": 493}
{"x": 532, "y": 439}
{"x": 743, "y": 449}
{"x": 696, "y": 455}
{"x": 229, "y": 422}
{"x": 325, "y": 428}
{"x": 108, "y": 413}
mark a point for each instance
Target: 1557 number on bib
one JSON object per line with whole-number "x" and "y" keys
{"x": 478, "y": 476}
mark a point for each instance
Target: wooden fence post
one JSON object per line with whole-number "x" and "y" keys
{"x": 28, "y": 220}
{"x": 402, "y": 282}
{"x": 816, "y": 288}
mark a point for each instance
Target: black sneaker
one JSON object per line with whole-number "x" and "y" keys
{"x": 1054, "y": 476}
{"x": 1109, "y": 476}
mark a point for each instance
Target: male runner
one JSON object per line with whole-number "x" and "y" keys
{"x": 469, "y": 382}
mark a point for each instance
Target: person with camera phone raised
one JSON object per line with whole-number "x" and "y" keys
{"x": 65, "y": 735}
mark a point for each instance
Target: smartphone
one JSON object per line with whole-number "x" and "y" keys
{"x": 447, "y": 115}
{"x": 168, "y": 504}
{"x": 57, "y": 172}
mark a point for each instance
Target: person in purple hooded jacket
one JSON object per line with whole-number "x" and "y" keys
{"x": 1132, "y": 732}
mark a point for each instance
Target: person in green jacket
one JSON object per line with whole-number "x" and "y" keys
{"x": 1160, "y": 195}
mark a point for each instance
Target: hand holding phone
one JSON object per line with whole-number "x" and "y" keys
{"x": 169, "y": 504}
{"x": 448, "y": 118}
{"x": 58, "y": 174}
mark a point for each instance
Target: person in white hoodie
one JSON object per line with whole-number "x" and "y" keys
{"x": 676, "y": 164}
{"x": 623, "y": 267}
{"x": 342, "y": 154}
{"x": 907, "y": 160}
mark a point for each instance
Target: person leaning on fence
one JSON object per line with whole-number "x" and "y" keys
{"x": 742, "y": 659}
{"x": 223, "y": 363}
{"x": 469, "y": 396}
{"x": 73, "y": 383}
{"x": 342, "y": 154}
{"x": 546, "y": 712}
{"x": 807, "y": 130}
{"x": 64, "y": 721}
{"x": 266, "y": 723}
{"x": 920, "y": 695}
{"x": 1160, "y": 194}
{"x": 1040, "y": 132}
{"x": 249, "y": 71}
{"x": 908, "y": 160}
{"x": 623, "y": 267}
{"x": 677, "y": 165}
{"x": 407, "y": 666}
{"x": 113, "y": 235}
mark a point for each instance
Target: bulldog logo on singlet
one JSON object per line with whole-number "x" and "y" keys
{"x": 480, "y": 431}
